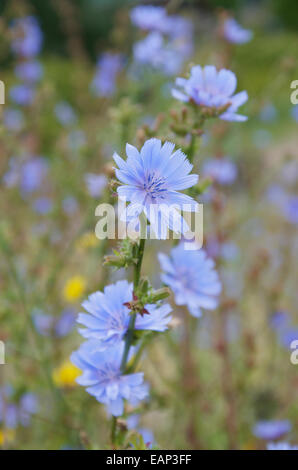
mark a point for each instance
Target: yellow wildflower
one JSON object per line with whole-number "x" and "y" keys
{"x": 87, "y": 240}
{"x": 6, "y": 436}
{"x": 66, "y": 374}
{"x": 74, "y": 288}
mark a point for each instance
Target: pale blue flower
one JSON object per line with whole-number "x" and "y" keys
{"x": 235, "y": 33}
{"x": 281, "y": 446}
{"x": 108, "y": 67}
{"x": 271, "y": 430}
{"x": 149, "y": 17}
{"x": 132, "y": 422}
{"x": 192, "y": 278}
{"x": 108, "y": 318}
{"x": 221, "y": 170}
{"x": 13, "y": 119}
{"x": 43, "y": 205}
{"x": 165, "y": 56}
{"x": 27, "y": 38}
{"x": 152, "y": 179}
{"x": 208, "y": 87}
{"x": 291, "y": 210}
{"x": 33, "y": 174}
{"x": 30, "y": 71}
{"x": 95, "y": 184}
{"x": 103, "y": 379}
{"x": 22, "y": 95}
{"x": 65, "y": 114}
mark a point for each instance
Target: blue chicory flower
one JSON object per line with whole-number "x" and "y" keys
{"x": 108, "y": 67}
{"x": 13, "y": 119}
{"x": 65, "y": 114}
{"x": 22, "y": 95}
{"x": 192, "y": 278}
{"x": 208, "y": 87}
{"x": 290, "y": 209}
{"x": 108, "y": 316}
{"x": 33, "y": 173}
{"x": 152, "y": 179}
{"x": 27, "y": 39}
{"x": 149, "y": 17}
{"x": 271, "y": 430}
{"x": 30, "y": 71}
{"x": 103, "y": 378}
{"x": 95, "y": 184}
{"x": 165, "y": 56}
{"x": 132, "y": 422}
{"x": 43, "y": 205}
{"x": 235, "y": 33}
{"x": 221, "y": 170}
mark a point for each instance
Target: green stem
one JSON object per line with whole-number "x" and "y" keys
{"x": 131, "y": 325}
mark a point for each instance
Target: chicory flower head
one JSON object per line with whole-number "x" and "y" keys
{"x": 103, "y": 378}
{"x": 271, "y": 430}
{"x": 27, "y": 39}
{"x": 235, "y": 33}
{"x": 221, "y": 170}
{"x": 149, "y": 17}
{"x": 152, "y": 179}
{"x": 30, "y": 71}
{"x": 65, "y": 113}
{"x": 164, "y": 56}
{"x": 192, "y": 278}
{"x": 95, "y": 184}
{"x": 108, "y": 316}
{"x": 210, "y": 88}
{"x": 108, "y": 67}
{"x": 22, "y": 95}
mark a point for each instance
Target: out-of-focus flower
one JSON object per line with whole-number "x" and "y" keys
{"x": 65, "y": 323}
{"x": 28, "y": 406}
{"x": 132, "y": 422}
{"x": 279, "y": 320}
{"x": 65, "y": 375}
{"x": 152, "y": 179}
{"x": 103, "y": 378}
{"x": 87, "y": 240}
{"x": 108, "y": 316}
{"x": 95, "y": 184}
{"x": 65, "y": 114}
{"x": 27, "y": 37}
{"x": 210, "y": 88}
{"x": 33, "y": 173}
{"x": 14, "y": 413}
{"x": 235, "y": 33}
{"x": 70, "y": 205}
{"x": 149, "y": 17}
{"x": 76, "y": 139}
{"x": 13, "y": 119}
{"x": 43, "y": 205}
{"x": 271, "y": 430}
{"x": 43, "y": 323}
{"x": 221, "y": 170}
{"x": 74, "y": 288}
{"x": 30, "y": 72}
{"x": 294, "y": 112}
{"x": 268, "y": 113}
{"x": 47, "y": 324}
{"x": 108, "y": 67}
{"x": 281, "y": 446}
{"x": 192, "y": 277}
{"x": 165, "y": 56}
{"x": 6, "y": 436}
{"x": 291, "y": 210}
{"x": 22, "y": 95}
